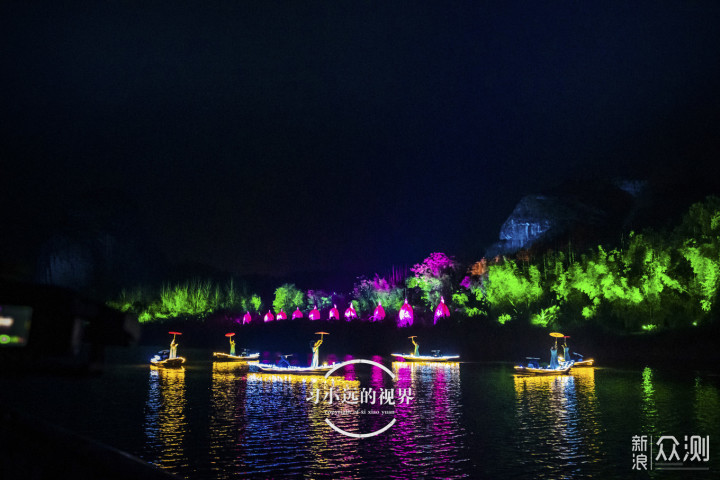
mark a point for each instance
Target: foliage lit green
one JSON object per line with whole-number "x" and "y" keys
{"x": 288, "y": 297}
{"x": 196, "y": 298}
{"x": 646, "y": 281}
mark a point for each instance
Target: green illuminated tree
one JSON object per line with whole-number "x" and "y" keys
{"x": 319, "y": 298}
{"x": 256, "y": 302}
{"x": 511, "y": 289}
{"x": 702, "y": 251}
{"x": 288, "y": 297}
{"x": 367, "y": 293}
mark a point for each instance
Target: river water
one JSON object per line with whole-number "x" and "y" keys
{"x": 461, "y": 420}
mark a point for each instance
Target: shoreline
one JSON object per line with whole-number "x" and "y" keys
{"x": 475, "y": 341}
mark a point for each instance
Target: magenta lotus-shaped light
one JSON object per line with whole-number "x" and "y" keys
{"x": 405, "y": 318}
{"x": 442, "y": 310}
{"x": 334, "y": 313}
{"x": 247, "y": 318}
{"x": 350, "y": 313}
{"x": 269, "y": 317}
{"x": 281, "y": 315}
{"x": 314, "y": 314}
{"x": 297, "y": 314}
{"x": 379, "y": 313}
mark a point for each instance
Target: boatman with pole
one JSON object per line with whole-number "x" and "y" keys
{"x": 417, "y": 347}
{"x": 316, "y": 350}
{"x": 553, "y": 350}
{"x": 173, "y": 345}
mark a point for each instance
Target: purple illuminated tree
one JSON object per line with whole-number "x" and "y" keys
{"x": 319, "y": 298}
{"x": 433, "y": 277}
{"x": 369, "y": 293}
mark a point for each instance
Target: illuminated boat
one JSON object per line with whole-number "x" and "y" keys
{"x": 162, "y": 359}
{"x": 427, "y": 358}
{"x": 226, "y": 357}
{"x": 590, "y": 362}
{"x": 584, "y": 363}
{"x": 168, "y": 358}
{"x": 528, "y": 370}
{"x": 416, "y": 357}
{"x": 555, "y": 368}
{"x": 576, "y": 363}
{"x": 231, "y": 357}
{"x": 283, "y": 367}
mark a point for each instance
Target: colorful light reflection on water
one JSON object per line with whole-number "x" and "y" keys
{"x": 557, "y": 418}
{"x": 266, "y": 425}
{"x": 165, "y": 418}
{"x": 464, "y": 421}
{"x": 218, "y": 420}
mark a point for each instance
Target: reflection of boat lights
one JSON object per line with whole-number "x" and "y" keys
{"x": 293, "y": 378}
{"x": 426, "y": 364}
{"x": 535, "y": 381}
{"x": 160, "y": 368}
{"x": 165, "y": 420}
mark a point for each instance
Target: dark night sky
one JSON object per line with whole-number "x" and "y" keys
{"x": 274, "y": 137}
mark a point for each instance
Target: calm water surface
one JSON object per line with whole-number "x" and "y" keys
{"x": 215, "y": 420}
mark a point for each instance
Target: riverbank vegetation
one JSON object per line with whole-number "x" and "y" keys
{"x": 646, "y": 281}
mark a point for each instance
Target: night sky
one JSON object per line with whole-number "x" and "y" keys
{"x": 276, "y": 137}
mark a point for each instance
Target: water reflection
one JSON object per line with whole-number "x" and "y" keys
{"x": 648, "y": 407}
{"x": 165, "y": 420}
{"x": 286, "y": 428}
{"x": 557, "y": 421}
{"x": 275, "y": 425}
{"x": 227, "y": 418}
{"x": 477, "y": 421}
{"x": 429, "y": 438}
{"x": 707, "y": 405}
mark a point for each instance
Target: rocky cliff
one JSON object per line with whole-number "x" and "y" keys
{"x": 580, "y": 213}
